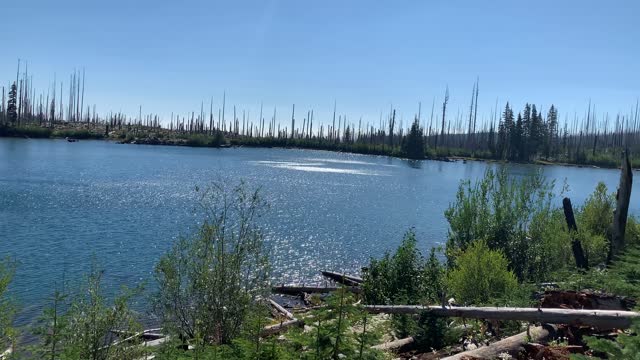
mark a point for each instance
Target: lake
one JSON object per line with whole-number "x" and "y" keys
{"x": 63, "y": 203}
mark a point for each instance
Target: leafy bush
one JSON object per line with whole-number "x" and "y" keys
{"x": 7, "y": 335}
{"x": 405, "y": 277}
{"x": 512, "y": 215}
{"x": 77, "y": 134}
{"x": 31, "y": 131}
{"x": 340, "y": 330}
{"x": 480, "y": 275}
{"x": 83, "y": 328}
{"x": 625, "y": 346}
{"x": 209, "y": 284}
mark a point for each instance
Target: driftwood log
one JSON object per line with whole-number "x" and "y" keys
{"x": 286, "y": 313}
{"x": 511, "y": 345}
{"x": 283, "y": 326}
{"x": 603, "y": 319}
{"x": 343, "y": 278}
{"x": 396, "y": 345}
{"x": 623, "y": 196}
{"x": 295, "y": 290}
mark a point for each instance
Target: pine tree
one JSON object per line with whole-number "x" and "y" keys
{"x": 413, "y": 144}
{"x": 552, "y": 131}
{"x": 518, "y": 142}
{"x": 12, "y": 110}
{"x": 510, "y": 132}
{"x": 502, "y": 140}
{"x": 491, "y": 145}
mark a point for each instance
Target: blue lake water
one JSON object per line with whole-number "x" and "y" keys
{"x": 62, "y": 203}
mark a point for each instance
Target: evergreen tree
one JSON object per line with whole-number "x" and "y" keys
{"x": 518, "y": 140}
{"x": 12, "y": 109}
{"x": 509, "y": 130}
{"x": 502, "y": 140}
{"x": 491, "y": 145}
{"x": 552, "y": 132}
{"x": 413, "y": 144}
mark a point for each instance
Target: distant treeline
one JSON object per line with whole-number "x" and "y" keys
{"x": 530, "y": 135}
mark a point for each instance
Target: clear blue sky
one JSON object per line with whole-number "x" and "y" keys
{"x": 170, "y": 55}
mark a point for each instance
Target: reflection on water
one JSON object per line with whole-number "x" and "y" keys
{"x": 316, "y": 166}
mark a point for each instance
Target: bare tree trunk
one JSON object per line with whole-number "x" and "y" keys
{"x": 576, "y": 246}
{"x": 603, "y": 319}
{"x": 623, "y": 196}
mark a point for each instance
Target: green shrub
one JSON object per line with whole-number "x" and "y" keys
{"x": 625, "y": 347}
{"x": 481, "y": 274}
{"x": 210, "y": 284}
{"x": 512, "y": 215}
{"x": 31, "y": 131}
{"x": 405, "y": 277}
{"x": 7, "y": 334}
{"x": 82, "y": 328}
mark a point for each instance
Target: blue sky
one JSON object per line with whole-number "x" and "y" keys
{"x": 365, "y": 55}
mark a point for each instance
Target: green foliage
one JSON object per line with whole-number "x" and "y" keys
{"x": 7, "y": 310}
{"x": 82, "y": 329}
{"x": 209, "y": 284}
{"x": 203, "y": 140}
{"x": 406, "y": 277}
{"x": 512, "y": 215}
{"x": 620, "y": 278}
{"x": 413, "y": 143}
{"x": 481, "y": 274}
{"x": 340, "y": 330}
{"x": 77, "y": 134}
{"x": 30, "y": 131}
{"x": 12, "y": 109}
{"x": 626, "y": 345}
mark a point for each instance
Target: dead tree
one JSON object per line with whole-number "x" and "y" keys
{"x": 623, "y": 196}
{"x": 576, "y": 246}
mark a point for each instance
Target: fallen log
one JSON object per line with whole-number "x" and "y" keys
{"x": 283, "y": 326}
{"x": 343, "y": 278}
{"x": 511, "y": 345}
{"x": 295, "y": 290}
{"x": 286, "y": 313}
{"x": 603, "y": 319}
{"x": 7, "y": 353}
{"x": 395, "y": 345}
{"x": 567, "y": 299}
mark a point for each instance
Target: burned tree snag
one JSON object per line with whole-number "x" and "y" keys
{"x": 623, "y": 196}
{"x": 576, "y": 246}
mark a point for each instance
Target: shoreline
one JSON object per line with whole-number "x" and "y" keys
{"x": 237, "y": 143}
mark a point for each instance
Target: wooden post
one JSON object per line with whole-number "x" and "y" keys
{"x": 623, "y": 196}
{"x": 576, "y": 246}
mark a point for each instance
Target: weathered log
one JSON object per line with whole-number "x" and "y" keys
{"x": 7, "y": 353}
{"x": 511, "y": 345}
{"x": 295, "y": 290}
{"x": 576, "y": 246}
{"x": 567, "y": 299}
{"x": 343, "y": 278}
{"x": 283, "y": 326}
{"x": 282, "y": 310}
{"x": 603, "y": 319}
{"x": 395, "y": 345}
{"x": 623, "y": 196}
